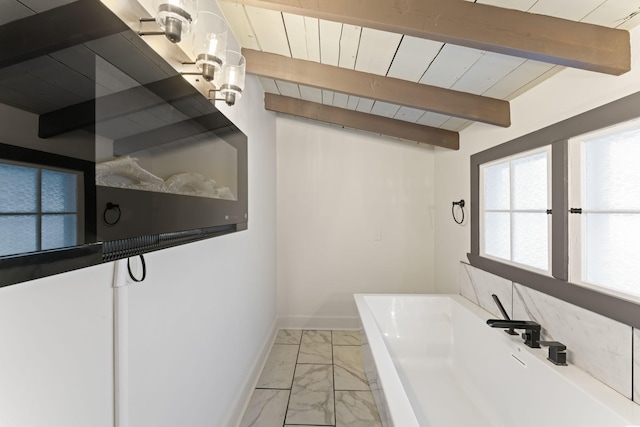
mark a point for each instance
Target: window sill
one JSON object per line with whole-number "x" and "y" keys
{"x": 611, "y": 306}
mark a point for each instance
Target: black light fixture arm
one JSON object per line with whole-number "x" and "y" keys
{"x": 194, "y": 73}
{"x": 149, "y": 33}
{"x": 214, "y": 99}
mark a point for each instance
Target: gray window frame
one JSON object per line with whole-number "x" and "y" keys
{"x": 557, "y": 136}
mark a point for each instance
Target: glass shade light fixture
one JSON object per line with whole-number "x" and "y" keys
{"x": 225, "y": 69}
{"x": 233, "y": 72}
{"x": 210, "y": 44}
{"x": 174, "y": 17}
{"x": 214, "y": 60}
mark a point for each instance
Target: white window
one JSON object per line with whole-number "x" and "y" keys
{"x": 38, "y": 208}
{"x": 515, "y": 198}
{"x": 605, "y": 185}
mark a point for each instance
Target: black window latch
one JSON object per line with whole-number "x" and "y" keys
{"x": 575, "y": 210}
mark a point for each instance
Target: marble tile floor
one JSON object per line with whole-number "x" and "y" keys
{"x": 313, "y": 378}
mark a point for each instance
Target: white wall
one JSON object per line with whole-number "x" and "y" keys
{"x": 355, "y": 214}
{"x": 56, "y": 351}
{"x": 568, "y": 93}
{"x": 200, "y": 323}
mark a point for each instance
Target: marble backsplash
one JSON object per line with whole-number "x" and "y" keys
{"x": 596, "y": 344}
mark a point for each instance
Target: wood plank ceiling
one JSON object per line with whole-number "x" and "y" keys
{"x": 412, "y": 59}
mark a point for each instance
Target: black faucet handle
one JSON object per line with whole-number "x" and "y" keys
{"x": 500, "y": 307}
{"x": 557, "y": 352}
{"x": 553, "y": 344}
{"x": 532, "y": 338}
{"x": 532, "y": 329}
{"x": 510, "y": 331}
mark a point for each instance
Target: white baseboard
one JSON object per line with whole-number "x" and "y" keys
{"x": 241, "y": 402}
{"x": 307, "y": 322}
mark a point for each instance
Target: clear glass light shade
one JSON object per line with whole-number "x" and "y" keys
{"x": 175, "y": 17}
{"x": 210, "y": 43}
{"x": 232, "y": 83}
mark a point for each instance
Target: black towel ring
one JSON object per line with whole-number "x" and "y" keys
{"x": 453, "y": 213}
{"x": 111, "y": 206}
{"x": 144, "y": 270}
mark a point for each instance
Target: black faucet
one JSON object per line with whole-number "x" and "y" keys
{"x": 531, "y": 335}
{"x": 510, "y": 331}
{"x": 557, "y": 352}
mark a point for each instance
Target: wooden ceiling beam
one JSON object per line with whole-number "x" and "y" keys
{"x": 41, "y": 34}
{"x": 170, "y": 133}
{"x": 479, "y": 26}
{"x": 372, "y": 86}
{"x": 119, "y": 104}
{"x": 363, "y": 121}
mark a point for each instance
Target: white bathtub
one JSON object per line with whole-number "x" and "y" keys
{"x": 432, "y": 361}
